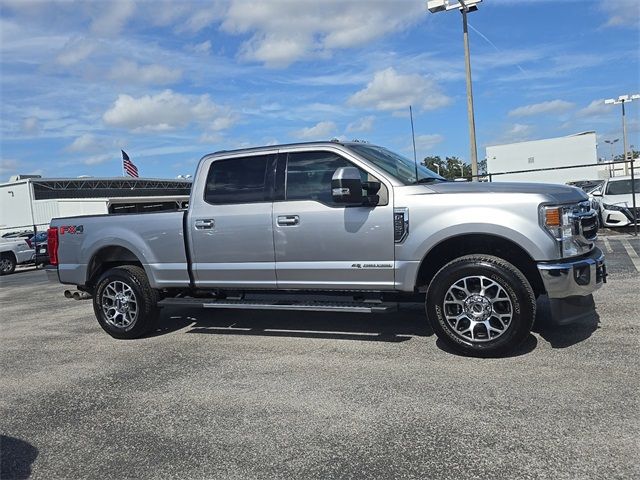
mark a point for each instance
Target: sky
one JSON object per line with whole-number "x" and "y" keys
{"x": 171, "y": 81}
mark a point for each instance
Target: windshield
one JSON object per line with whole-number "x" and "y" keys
{"x": 622, "y": 187}
{"x": 396, "y": 165}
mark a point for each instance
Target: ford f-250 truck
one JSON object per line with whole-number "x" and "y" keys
{"x": 342, "y": 227}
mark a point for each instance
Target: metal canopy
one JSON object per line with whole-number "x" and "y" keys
{"x": 45, "y": 189}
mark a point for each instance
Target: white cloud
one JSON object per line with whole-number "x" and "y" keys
{"x": 284, "y": 31}
{"x": 621, "y": 13}
{"x": 224, "y": 121}
{"x": 211, "y": 137}
{"x": 31, "y": 126}
{"x": 596, "y": 108}
{"x": 98, "y": 159}
{"x": 390, "y": 90}
{"x": 551, "y": 106}
{"x": 9, "y": 165}
{"x": 363, "y": 124}
{"x": 165, "y": 111}
{"x": 110, "y": 17}
{"x": 319, "y": 131}
{"x": 427, "y": 141}
{"x": 204, "y": 47}
{"x": 202, "y": 18}
{"x": 153, "y": 74}
{"x": 75, "y": 51}
{"x": 518, "y": 132}
{"x": 83, "y": 143}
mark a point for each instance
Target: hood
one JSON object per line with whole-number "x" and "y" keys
{"x": 557, "y": 193}
{"x": 625, "y": 200}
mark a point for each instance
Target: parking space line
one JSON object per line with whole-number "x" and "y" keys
{"x": 632, "y": 254}
{"x": 607, "y": 245}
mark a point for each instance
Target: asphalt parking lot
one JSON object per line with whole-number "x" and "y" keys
{"x": 246, "y": 394}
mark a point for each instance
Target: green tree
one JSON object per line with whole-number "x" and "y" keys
{"x": 450, "y": 168}
{"x": 482, "y": 167}
{"x": 620, "y": 157}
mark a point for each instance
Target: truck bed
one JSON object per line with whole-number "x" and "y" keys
{"x": 155, "y": 239}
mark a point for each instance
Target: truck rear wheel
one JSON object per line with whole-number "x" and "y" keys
{"x": 481, "y": 305}
{"x": 124, "y": 303}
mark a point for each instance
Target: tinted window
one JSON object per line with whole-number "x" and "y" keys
{"x": 622, "y": 187}
{"x": 238, "y": 180}
{"x": 400, "y": 167}
{"x": 309, "y": 175}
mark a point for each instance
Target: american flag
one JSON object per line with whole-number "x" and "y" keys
{"x": 129, "y": 168}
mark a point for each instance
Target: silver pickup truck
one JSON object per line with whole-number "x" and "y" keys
{"x": 347, "y": 227}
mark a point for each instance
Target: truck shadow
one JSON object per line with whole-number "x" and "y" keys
{"x": 563, "y": 336}
{"x": 16, "y": 458}
{"x": 400, "y": 326}
{"x": 408, "y": 322}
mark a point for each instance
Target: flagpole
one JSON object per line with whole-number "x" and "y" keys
{"x": 122, "y": 163}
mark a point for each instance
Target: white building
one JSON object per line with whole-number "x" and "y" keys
{"x": 29, "y": 200}
{"x": 578, "y": 149}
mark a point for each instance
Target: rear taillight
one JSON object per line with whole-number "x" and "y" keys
{"x": 52, "y": 245}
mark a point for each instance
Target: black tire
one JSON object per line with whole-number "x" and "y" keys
{"x": 514, "y": 301}
{"x": 8, "y": 264}
{"x": 144, "y": 297}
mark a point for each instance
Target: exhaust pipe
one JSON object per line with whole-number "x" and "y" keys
{"x": 81, "y": 296}
{"x": 77, "y": 295}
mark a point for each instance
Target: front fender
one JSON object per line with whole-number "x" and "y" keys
{"x": 429, "y": 231}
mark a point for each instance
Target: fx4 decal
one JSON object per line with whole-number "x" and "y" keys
{"x": 71, "y": 229}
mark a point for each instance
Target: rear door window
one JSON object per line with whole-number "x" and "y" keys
{"x": 239, "y": 180}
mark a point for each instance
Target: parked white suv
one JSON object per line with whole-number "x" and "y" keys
{"x": 615, "y": 203}
{"x": 14, "y": 251}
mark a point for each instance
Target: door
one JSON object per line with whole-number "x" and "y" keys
{"x": 231, "y": 229}
{"x": 322, "y": 245}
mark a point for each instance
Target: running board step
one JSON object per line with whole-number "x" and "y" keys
{"x": 313, "y": 306}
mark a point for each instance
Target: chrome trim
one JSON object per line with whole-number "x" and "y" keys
{"x": 405, "y": 213}
{"x": 560, "y": 278}
{"x": 478, "y": 309}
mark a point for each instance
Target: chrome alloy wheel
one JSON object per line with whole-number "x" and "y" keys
{"x": 478, "y": 309}
{"x": 5, "y": 265}
{"x": 119, "y": 305}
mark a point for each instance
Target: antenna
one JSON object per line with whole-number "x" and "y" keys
{"x": 413, "y": 138}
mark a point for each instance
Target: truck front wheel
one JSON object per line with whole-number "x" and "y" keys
{"x": 124, "y": 302}
{"x": 481, "y": 305}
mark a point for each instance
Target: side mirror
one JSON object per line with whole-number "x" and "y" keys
{"x": 346, "y": 186}
{"x": 597, "y": 193}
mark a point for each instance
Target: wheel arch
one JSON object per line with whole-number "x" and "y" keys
{"x": 9, "y": 254}
{"x": 109, "y": 257}
{"x": 482, "y": 243}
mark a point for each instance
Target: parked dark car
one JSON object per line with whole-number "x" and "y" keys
{"x": 586, "y": 185}
{"x": 39, "y": 242}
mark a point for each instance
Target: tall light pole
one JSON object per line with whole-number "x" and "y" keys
{"x": 465, "y": 6}
{"x": 622, "y": 99}
{"x": 611, "y": 142}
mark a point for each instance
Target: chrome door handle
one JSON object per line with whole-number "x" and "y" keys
{"x": 288, "y": 220}
{"x": 204, "y": 224}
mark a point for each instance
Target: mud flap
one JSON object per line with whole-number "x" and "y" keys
{"x": 568, "y": 310}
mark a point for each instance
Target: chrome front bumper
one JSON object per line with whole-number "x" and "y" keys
{"x": 579, "y": 277}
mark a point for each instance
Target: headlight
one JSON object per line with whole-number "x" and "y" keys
{"x": 613, "y": 207}
{"x": 559, "y": 222}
